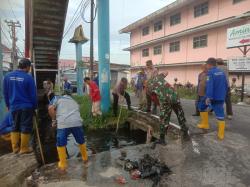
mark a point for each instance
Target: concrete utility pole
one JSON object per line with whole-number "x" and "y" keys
{"x": 79, "y": 39}
{"x": 104, "y": 53}
{"x": 2, "y": 104}
{"x": 13, "y": 25}
{"x": 91, "y": 38}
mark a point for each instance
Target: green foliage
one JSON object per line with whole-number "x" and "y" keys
{"x": 187, "y": 93}
{"x": 235, "y": 98}
{"x": 105, "y": 121}
{"x": 190, "y": 93}
{"x": 56, "y": 89}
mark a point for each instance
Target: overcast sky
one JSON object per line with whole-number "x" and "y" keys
{"x": 122, "y": 13}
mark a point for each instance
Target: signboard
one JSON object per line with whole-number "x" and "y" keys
{"x": 238, "y": 36}
{"x": 239, "y": 64}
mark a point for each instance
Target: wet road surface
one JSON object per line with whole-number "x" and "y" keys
{"x": 202, "y": 162}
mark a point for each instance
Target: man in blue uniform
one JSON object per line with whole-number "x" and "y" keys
{"x": 216, "y": 90}
{"x": 67, "y": 84}
{"x": 21, "y": 99}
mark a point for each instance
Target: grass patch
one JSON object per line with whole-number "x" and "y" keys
{"x": 235, "y": 98}
{"x": 107, "y": 120}
{"x": 190, "y": 93}
{"x": 187, "y": 93}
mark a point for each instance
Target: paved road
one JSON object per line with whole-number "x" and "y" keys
{"x": 202, "y": 162}
{"x": 209, "y": 162}
{"x": 206, "y": 161}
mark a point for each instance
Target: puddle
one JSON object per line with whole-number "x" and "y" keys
{"x": 98, "y": 141}
{"x": 106, "y": 140}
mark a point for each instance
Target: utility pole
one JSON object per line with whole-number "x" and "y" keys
{"x": 13, "y": 25}
{"x": 91, "y": 39}
{"x": 104, "y": 53}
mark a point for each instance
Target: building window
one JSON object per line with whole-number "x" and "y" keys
{"x": 201, "y": 9}
{"x": 175, "y": 19}
{"x": 174, "y": 46}
{"x": 200, "y": 41}
{"x": 145, "y": 52}
{"x": 145, "y": 31}
{"x": 158, "y": 50}
{"x": 237, "y": 1}
{"x": 158, "y": 26}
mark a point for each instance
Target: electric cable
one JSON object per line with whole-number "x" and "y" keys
{"x": 11, "y": 7}
{"x": 67, "y": 27}
{"x": 6, "y": 37}
{"x": 75, "y": 18}
{"x": 84, "y": 10}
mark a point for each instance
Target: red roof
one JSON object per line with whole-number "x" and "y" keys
{"x": 70, "y": 63}
{"x": 67, "y": 63}
{"x": 5, "y": 49}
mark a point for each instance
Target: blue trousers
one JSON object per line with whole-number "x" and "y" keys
{"x": 23, "y": 121}
{"x": 217, "y": 106}
{"x": 62, "y": 135}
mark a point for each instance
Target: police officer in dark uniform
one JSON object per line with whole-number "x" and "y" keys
{"x": 216, "y": 90}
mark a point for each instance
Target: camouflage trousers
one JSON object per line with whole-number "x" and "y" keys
{"x": 165, "y": 114}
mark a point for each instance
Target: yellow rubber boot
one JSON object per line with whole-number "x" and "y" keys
{"x": 24, "y": 148}
{"x": 62, "y": 164}
{"x": 15, "y": 139}
{"x": 204, "y": 121}
{"x": 221, "y": 129}
{"x": 84, "y": 153}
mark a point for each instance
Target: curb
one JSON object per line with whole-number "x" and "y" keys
{"x": 243, "y": 105}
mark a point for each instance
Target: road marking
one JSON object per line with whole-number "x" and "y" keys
{"x": 195, "y": 146}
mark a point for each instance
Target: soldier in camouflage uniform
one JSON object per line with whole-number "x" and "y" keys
{"x": 168, "y": 101}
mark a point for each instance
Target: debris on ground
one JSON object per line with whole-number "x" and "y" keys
{"x": 147, "y": 167}
{"x": 136, "y": 174}
{"x": 120, "y": 180}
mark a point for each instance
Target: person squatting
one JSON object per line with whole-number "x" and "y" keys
{"x": 168, "y": 100}
{"x": 65, "y": 115}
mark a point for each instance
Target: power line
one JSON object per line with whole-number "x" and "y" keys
{"x": 11, "y": 7}
{"x": 84, "y": 10}
{"x": 72, "y": 24}
{"x": 6, "y": 37}
{"x": 74, "y": 19}
{"x": 13, "y": 25}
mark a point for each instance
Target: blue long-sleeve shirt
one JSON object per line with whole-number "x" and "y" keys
{"x": 216, "y": 85}
{"x": 67, "y": 85}
{"x": 19, "y": 91}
